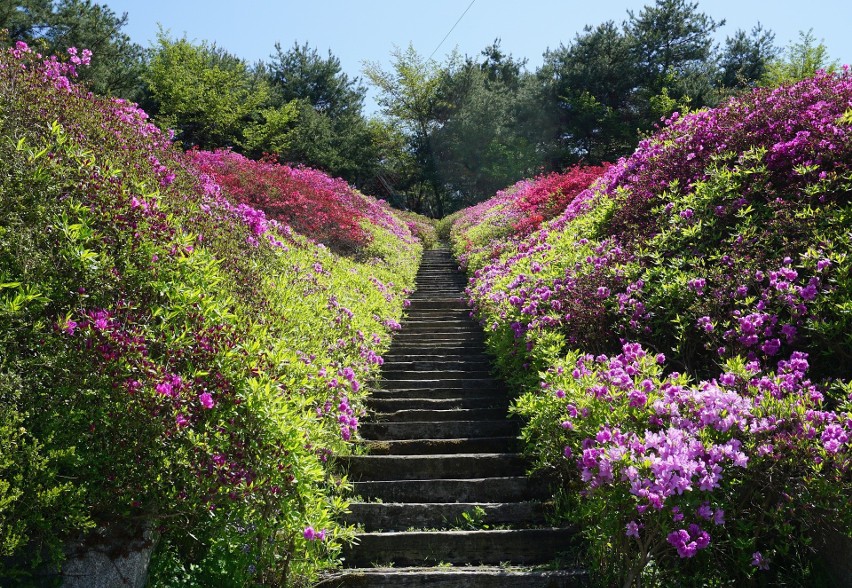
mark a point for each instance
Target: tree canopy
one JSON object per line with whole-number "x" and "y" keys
{"x": 448, "y": 133}
{"x": 117, "y": 63}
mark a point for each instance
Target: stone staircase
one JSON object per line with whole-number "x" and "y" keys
{"x": 443, "y": 496}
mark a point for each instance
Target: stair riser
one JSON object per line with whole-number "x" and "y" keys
{"x": 477, "y": 547}
{"x": 444, "y": 446}
{"x": 426, "y": 330}
{"x": 427, "y": 415}
{"x": 420, "y": 304}
{"x": 448, "y": 374}
{"x": 437, "y": 314}
{"x": 483, "y": 384}
{"x": 439, "y": 430}
{"x": 447, "y": 339}
{"x": 387, "y": 406}
{"x": 457, "y": 578}
{"x": 454, "y": 365}
{"x": 514, "y": 489}
{"x": 400, "y": 517}
{"x": 389, "y": 468}
{"x": 434, "y": 393}
{"x": 435, "y": 358}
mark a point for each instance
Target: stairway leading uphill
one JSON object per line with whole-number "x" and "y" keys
{"x": 443, "y": 496}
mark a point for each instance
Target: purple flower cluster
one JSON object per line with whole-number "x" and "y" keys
{"x": 677, "y": 447}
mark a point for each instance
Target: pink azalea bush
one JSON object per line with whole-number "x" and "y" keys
{"x": 682, "y": 335}
{"x": 485, "y": 230}
{"x": 172, "y": 358}
{"x": 325, "y": 209}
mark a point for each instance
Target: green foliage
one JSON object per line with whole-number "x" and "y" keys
{"x": 480, "y": 146}
{"x": 273, "y": 133}
{"x": 410, "y": 98}
{"x": 331, "y": 132}
{"x": 167, "y": 358}
{"x": 118, "y": 63}
{"x": 204, "y": 93}
{"x": 589, "y": 93}
{"x": 802, "y": 59}
{"x": 300, "y": 73}
{"x": 669, "y": 38}
{"x": 745, "y": 58}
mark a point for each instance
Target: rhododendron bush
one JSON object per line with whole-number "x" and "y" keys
{"x": 683, "y": 337}
{"x": 314, "y": 204}
{"x": 483, "y": 231}
{"x": 173, "y": 358}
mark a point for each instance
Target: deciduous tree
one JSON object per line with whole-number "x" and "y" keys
{"x": 204, "y": 93}
{"x": 410, "y": 98}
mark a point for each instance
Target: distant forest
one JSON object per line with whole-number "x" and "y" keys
{"x": 451, "y": 133}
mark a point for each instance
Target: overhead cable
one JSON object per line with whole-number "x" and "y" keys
{"x": 452, "y": 29}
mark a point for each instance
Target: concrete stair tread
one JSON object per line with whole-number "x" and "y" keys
{"x": 434, "y": 466}
{"x": 433, "y": 374}
{"x": 445, "y": 446}
{"x": 442, "y": 448}
{"x": 456, "y": 577}
{"x": 490, "y": 489}
{"x": 437, "y": 430}
{"x": 436, "y": 393}
{"x": 440, "y": 414}
{"x": 398, "y": 516}
{"x": 464, "y": 383}
{"x": 391, "y": 405}
{"x": 416, "y": 548}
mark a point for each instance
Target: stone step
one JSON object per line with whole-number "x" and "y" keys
{"x": 434, "y": 384}
{"x": 428, "y": 336}
{"x": 437, "y": 348}
{"x": 508, "y": 444}
{"x": 438, "y": 328}
{"x": 491, "y": 489}
{"x": 454, "y": 303}
{"x": 438, "y": 323}
{"x": 436, "y": 375}
{"x": 431, "y": 335}
{"x": 389, "y": 405}
{"x": 438, "y": 393}
{"x": 425, "y": 341}
{"x": 417, "y": 548}
{"x": 427, "y": 467}
{"x": 437, "y": 430}
{"x": 398, "y": 516}
{"x": 456, "y": 577}
{"x": 436, "y": 415}
{"x": 416, "y": 364}
{"x": 438, "y": 312}
{"x": 393, "y": 357}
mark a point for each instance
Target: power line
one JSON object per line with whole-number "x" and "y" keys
{"x": 452, "y": 29}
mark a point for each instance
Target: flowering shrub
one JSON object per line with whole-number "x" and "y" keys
{"x": 420, "y": 226}
{"x": 314, "y": 204}
{"x": 169, "y": 355}
{"x": 481, "y": 231}
{"x": 722, "y": 246}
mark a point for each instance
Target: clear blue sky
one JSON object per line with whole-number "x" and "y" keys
{"x": 367, "y": 30}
